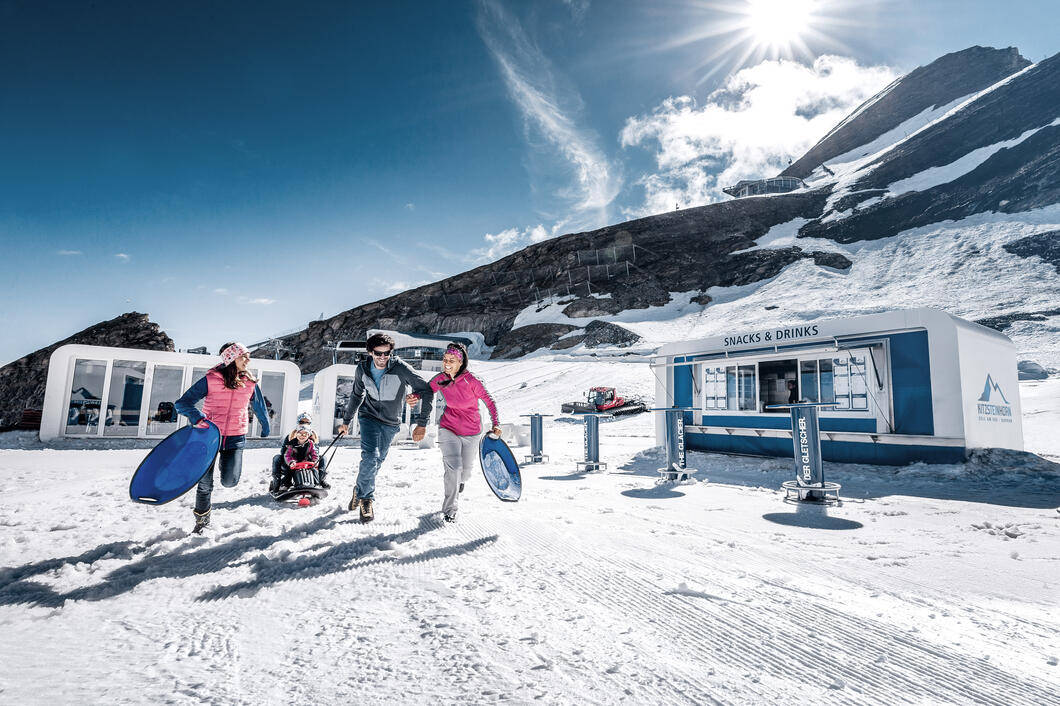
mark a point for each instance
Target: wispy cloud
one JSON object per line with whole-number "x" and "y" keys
{"x": 551, "y": 109}
{"x": 508, "y": 241}
{"x": 68, "y": 252}
{"x": 122, "y": 257}
{"x": 257, "y": 300}
{"x": 220, "y": 290}
{"x": 748, "y": 129}
{"x": 410, "y": 206}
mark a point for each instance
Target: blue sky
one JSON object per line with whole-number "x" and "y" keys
{"x": 237, "y": 169}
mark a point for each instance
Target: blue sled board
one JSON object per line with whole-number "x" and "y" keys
{"x": 500, "y": 468}
{"x": 175, "y": 465}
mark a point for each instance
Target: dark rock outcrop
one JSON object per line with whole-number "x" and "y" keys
{"x": 1018, "y": 178}
{"x": 631, "y": 265}
{"x": 1029, "y": 370}
{"x": 527, "y": 339}
{"x": 1043, "y": 245}
{"x": 602, "y": 333}
{"x": 944, "y": 80}
{"x": 22, "y": 382}
{"x": 1000, "y": 323}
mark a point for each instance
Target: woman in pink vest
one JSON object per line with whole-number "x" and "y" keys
{"x": 226, "y": 392}
{"x": 459, "y": 426}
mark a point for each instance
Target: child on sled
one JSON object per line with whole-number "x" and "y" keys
{"x": 298, "y": 447}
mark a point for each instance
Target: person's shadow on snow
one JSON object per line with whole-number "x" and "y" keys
{"x": 344, "y": 557}
{"x": 18, "y": 588}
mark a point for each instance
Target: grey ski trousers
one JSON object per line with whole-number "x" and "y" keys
{"x": 458, "y": 456}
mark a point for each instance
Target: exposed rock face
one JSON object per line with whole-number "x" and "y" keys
{"x": 1000, "y": 323}
{"x": 527, "y": 339}
{"x": 22, "y": 382}
{"x": 940, "y": 82}
{"x": 637, "y": 263}
{"x": 1029, "y": 370}
{"x": 1021, "y": 177}
{"x": 602, "y": 333}
{"x": 1043, "y": 245}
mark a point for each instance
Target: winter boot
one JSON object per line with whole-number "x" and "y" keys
{"x": 201, "y": 520}
{"x": 367, "y": 513}
{"x": 354, "y": 503}
{"x": 450, "y": 518}
{"x": 324, "y": 481}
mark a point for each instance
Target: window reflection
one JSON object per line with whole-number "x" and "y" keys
{"x": 86, "y": 395}
{"x": 272, "y": 390}
{"x": 343, "y": 390}
{"x": 166, "y": 387}
{"x": 124, "y": 398}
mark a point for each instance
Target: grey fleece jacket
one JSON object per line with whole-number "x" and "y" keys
{"x": 383, "y": 403}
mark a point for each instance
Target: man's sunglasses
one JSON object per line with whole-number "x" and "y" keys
{"x": 382, "y": 354}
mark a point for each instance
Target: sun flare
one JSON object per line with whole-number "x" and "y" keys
{"x": 778, "y": 26}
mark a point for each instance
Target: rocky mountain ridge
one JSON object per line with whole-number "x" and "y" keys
{"x": 22, "y": 382}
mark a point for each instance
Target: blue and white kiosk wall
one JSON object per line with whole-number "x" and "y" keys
{"x": 913, "y": 385}
{"x": 103, "y": 392}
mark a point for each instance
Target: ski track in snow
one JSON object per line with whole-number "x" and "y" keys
{"x": 927, "y": 585}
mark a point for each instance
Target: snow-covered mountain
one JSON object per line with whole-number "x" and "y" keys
{"x": 943, "y": 190}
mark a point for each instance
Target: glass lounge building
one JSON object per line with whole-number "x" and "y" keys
{"x": 97, "y": 392}
{"x": 913, "y": 385}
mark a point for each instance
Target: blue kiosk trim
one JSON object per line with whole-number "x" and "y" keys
{"x": 906, "y": 385}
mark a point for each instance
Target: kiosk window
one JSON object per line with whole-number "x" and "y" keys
{"x": 778, "y": 384}
{"x": 714, "y": 388}
{"x": 748, "y": 399}
{"x": 824, "y": 367}
{"x": 808, "y": 380}
{"x": 731, "y": 401}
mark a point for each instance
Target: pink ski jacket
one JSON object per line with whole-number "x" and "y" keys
{"x": 461, "y": 403}
{"x": 227, "y": 408}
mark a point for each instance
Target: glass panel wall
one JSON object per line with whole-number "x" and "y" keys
{"x": 124, "y": 398}
{"x": 272, "y": 390}
{"x": 86, "y": 395}
{"x": 808, "y": 380}
{"x": 343, "y": 390}
{"x": 167, "y": 384}
{"x": 827, "y": 387}
{"x": 748, "y": 388}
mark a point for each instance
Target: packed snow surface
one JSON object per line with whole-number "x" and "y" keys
{"x": 928, "y": 584}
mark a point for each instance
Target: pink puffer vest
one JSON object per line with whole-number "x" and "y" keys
{"x": 227, "y": 408}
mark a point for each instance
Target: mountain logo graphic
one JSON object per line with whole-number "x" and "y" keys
{"x": 989, "y": 388}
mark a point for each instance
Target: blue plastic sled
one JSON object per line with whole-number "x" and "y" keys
{"x": 500, "y": 468}
{"x": 175, "y": 465}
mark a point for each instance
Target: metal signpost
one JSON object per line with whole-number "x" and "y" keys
{"x": 592, "y": 442}
{"x": 536, "y": 439}
{"x": 809, "y": 483}
{"x": 674, "y": 429}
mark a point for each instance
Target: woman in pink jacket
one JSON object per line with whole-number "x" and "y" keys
{"x": 460, "y": 425}
{"x": 226, "y": 392}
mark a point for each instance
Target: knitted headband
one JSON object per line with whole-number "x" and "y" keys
{"x": 455, "y": 352}
{"x": 232, "y": 352}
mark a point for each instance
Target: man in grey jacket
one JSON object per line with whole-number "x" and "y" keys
{"x": 379, "y": 389}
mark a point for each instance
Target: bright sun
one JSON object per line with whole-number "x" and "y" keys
{"x": 778, "y": 26}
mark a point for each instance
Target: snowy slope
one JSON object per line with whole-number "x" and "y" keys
{"x": 930, "y": 584}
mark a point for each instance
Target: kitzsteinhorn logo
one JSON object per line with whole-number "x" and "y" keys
{"x": 989, "y": 407}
